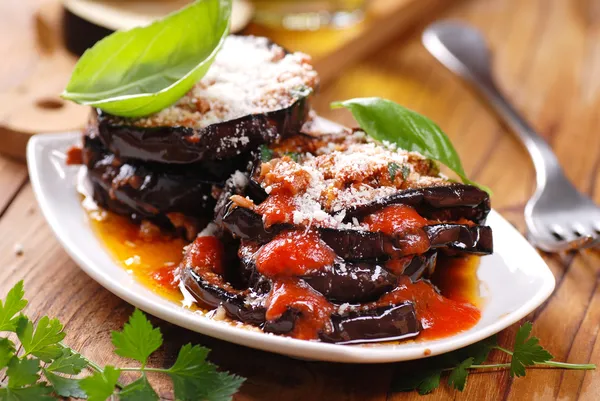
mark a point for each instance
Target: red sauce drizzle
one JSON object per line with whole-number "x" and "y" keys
{"x": 74, "y": 155}
{"x": 164, "y": 277}
{"x": 277, "y": 208}
{"x": 207, "y": 253}
{"x": 314, "y": 308}
{"x": 440, "y": 316}
{"x": 293, "y": 253}
{"x": 395, "y": 219}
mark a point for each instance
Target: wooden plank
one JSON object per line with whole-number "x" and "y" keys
{"x": 13, "y": 175}
{"x": 547, "y": 59}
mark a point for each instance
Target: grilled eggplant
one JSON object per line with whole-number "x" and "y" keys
{"x": 254, "y": 93}
{"x": 164, "y": 195}
{"x": 395, "y": 322}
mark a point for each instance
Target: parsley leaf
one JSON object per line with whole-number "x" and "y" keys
{"x": 100, "y": 385}
{"x": 7, "y": 350}
{"x": 429, "y": 383}
{"x": 423, "y": 380}
{"x": 295, "y": 156}
{"x": 392, "y": 169}
{"x": 480, "y": 350}
{"x": 458, "y": 375}
{"x": 138, "y": 339}
{"x": 405, "y": 171}
{"x": 69, "y": 362}
{"x": 13, "y": 304}
{"x": 139, "y": 390}
{"x": 39, "y": 392}
{"x": 22, "y": 372}
{"x": 194, "y": 378}
{"x": 64, "y": 386}
{"x": 42, "y": 342}
{"x": 266, "y": 154}
{"x": 527, "y": 351}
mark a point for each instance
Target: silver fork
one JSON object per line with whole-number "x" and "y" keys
{"x": 558, "y": 216}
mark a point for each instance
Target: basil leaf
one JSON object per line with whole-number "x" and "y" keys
{"x": 144, "y": 70}
{"x": 385, "y": 120}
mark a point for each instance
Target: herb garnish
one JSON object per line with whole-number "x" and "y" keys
{"x": 141, "y": 71}
{"x": 385, "y": 120}
{"x": 193, "y": 377}
{"x": 393, "y": 168}
{"x": 527, "y": 353}
{"x": 266, "y": 154}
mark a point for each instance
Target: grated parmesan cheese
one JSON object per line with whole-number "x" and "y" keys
{"x": 344, "y": 175}
{"x": 250, "y": 75}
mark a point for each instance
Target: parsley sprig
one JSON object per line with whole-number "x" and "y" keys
{"x": 43, "y": 368}
{"x": 459, "y": 364}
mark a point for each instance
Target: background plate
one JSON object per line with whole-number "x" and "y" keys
{"x": 514, "y": 280}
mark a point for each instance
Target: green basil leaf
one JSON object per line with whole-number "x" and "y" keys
{"x": 385, "y": 120}
{"x": 141, "y": 71}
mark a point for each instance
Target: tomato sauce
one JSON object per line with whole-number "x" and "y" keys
{"x": 395, "y": 219}
{"x": 440, "y": 316}
{"x": 293, "y": 253}
{"x": 276, "y": 209}
{"x": 314, "y": 308}
{"x": 208, "y": 253}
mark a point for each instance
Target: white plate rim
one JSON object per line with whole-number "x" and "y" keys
{"x": 268, "y": 342}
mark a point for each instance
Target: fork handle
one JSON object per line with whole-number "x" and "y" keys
{"x": 544, "y": 159}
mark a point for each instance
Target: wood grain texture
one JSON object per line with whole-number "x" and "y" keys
{"x": 547, "y": 60}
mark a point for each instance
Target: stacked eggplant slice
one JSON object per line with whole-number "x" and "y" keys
{"x": 166, "y": 168}
{"x": 319, "y": 238}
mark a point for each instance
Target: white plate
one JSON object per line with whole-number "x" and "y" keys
{"x": 514, "y": 280}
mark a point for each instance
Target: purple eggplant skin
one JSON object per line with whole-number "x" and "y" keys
{"x": 342, "y": 282}
{"x": 233, "y": 302}
{"x": 352, "y": 282}
{"x": 366, "y": 245}
{"x": 360, "y": 245}
{"x": 421, "y": 266}
{"x": 477, "y": 240}
{"x": 246, "y": 224}
{"x": 145, "y": 191}
{"x": 184, "y": 145}
{"x": 360, "y": 282}
{"x": 442, "y": 203}
{"x": 379, "y": 324}
{"x": 212, "y": 295}
{"x": 385, "y": 323}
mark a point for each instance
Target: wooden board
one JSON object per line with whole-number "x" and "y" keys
{"x": 547, "y": 59}
{"x": 32, "y": 105}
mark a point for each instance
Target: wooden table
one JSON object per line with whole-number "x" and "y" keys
{"x": 547, "y": 61}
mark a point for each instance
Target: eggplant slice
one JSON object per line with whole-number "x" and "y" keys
{"x": 184, "y": 145}
{"x": 254, "y": 93}
{"x": 142, "y": 191}
{"x": 389, "y": 323}
{"x": 214, "y": 295}
{"x": 380, "y": 323}
{"x": 367, "y": 325}
{"x": 360, "y": 245}
{"x": 359, "y": 282}
{"x": 443, "y": 203}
